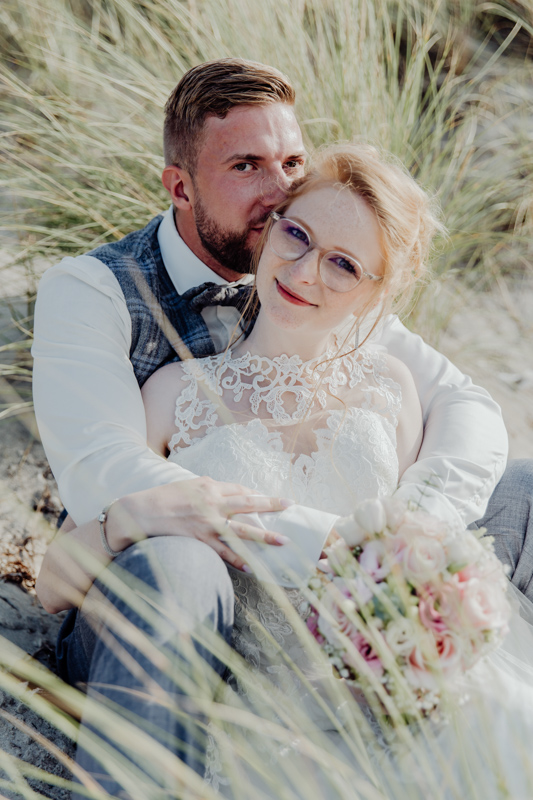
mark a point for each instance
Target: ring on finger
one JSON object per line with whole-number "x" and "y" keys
{"x": 226, "y": 526}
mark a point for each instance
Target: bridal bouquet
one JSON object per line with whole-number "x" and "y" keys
{"x": 405, "y": 604}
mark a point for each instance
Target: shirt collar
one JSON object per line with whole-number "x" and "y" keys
{"x": 184, "y": 268}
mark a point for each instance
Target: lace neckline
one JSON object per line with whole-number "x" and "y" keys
{"x": 285, "y": 388}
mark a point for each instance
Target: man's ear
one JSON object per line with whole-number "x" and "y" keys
{"x": 178, "y": 183}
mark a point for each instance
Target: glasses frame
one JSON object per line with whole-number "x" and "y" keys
{"x": 321, "y": 252}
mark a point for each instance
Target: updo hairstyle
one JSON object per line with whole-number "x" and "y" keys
{"x": 406, "y": 215}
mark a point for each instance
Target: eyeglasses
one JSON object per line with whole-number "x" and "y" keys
{"x": 339, "y": 272}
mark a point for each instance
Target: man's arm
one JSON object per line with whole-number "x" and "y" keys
{"x": 87, "y": 400}
{"x": 465, "y": 443}
{"x": 90, "y": 412}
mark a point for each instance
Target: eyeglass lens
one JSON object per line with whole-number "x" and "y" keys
{"x": 290, "y": 241}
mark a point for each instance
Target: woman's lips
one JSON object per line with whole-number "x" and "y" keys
{"x": 291, "y": 297}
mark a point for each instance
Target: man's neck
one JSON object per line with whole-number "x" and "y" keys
{"x": 187, "y": 230}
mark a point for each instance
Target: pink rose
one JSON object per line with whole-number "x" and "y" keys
{"x": 439, "y": 658}
{"x": 437, "y": 607}
{"x": 466, "y": 574}
{"x": 334, "y": 620}
{"x": 484, "y": 605}
{"x": 365, "y": 650}
{"x": 312, "y": 624}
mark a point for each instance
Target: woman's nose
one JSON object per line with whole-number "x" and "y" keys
{"x": 305, "y": 269}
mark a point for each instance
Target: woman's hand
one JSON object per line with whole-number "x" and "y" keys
{"x": 201, "y": 508}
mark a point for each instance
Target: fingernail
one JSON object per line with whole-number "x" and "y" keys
{"x": 282, "y": 539}
{"x": 284, "y": 503}
{"x": 246, "y": 568}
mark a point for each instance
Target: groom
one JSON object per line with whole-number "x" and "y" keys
{"x": 106, "y": 320}
{"x": 232, "y": 147}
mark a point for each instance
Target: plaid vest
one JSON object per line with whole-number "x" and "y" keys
{"x": 164, "y": 326}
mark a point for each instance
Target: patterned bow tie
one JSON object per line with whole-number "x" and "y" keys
{"x": 210, "y": 294}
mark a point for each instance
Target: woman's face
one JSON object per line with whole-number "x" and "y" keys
{"x": 292, "y": 293}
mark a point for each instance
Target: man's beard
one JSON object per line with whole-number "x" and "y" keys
{"x": 228, "y": 247}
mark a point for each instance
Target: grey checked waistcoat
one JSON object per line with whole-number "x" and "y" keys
{"x": 157, "y": 311}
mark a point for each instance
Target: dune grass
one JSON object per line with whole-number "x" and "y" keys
{"x": 83, "y": 84}
{"x": 443, "y": 85}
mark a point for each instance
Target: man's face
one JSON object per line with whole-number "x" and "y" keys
{"x": 245, "y": 165}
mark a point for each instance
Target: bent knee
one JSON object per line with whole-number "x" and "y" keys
{"x": 185, "y": 578}
{"x": 517, "y": 480}
{"x": 178, "y": 565}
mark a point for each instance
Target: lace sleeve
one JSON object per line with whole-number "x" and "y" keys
{"x": 370, "y": 376}
{"x": 196, "y": 405}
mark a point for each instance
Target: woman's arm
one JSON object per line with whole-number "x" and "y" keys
{"x": 410, "y": 428}
{"x": 159, "y": 395}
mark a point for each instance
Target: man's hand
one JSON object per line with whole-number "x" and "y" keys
{"x": 201, "y": 508}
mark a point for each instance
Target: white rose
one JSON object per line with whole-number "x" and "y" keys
{"x": 464, "y": 550}
{"x": 484, "y": 604}
{"x": 422, "y": 557}
{"x": 417, "y": 523}
{"x": 395, "y": 511}
{"x": 351, "y": 531}
{"x": 370, "y": 515}
{"x": 400, "y": 635}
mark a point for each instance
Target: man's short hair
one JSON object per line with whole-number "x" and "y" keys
{"x": 213, "y": 89}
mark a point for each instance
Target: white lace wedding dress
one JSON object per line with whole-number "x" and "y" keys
{"x": 323, "y": 434}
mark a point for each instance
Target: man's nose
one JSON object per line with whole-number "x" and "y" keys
{"x": 274, "y": 189}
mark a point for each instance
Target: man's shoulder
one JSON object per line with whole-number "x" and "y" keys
{"x": 86, "y": 268}
{"x": 132, "y": 246}
{"x": 96, "y": 267}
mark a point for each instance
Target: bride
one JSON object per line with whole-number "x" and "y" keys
{"x": 303, "y": 407}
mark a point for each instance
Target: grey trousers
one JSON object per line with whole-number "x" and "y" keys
{"x": 144, "y": 645}
{"x": 111, "y": 645}
{"x": 509, "y": 519}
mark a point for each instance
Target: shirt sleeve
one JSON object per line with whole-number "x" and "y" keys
{"x": 87, "y": 400}
{"x": 465, "y": 445}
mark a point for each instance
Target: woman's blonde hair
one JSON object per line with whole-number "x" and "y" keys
{"x": 406, "y": 214}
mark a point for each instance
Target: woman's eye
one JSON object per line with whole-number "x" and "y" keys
{"x": 346, "y": 264}
{"x": 298, "y": 233}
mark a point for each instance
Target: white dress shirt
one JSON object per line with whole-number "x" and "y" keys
{"x": 91, "y": 416}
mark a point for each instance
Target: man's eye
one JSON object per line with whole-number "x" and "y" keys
{"x": 243, "y": 167}
{"x": 294, "y": 164}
